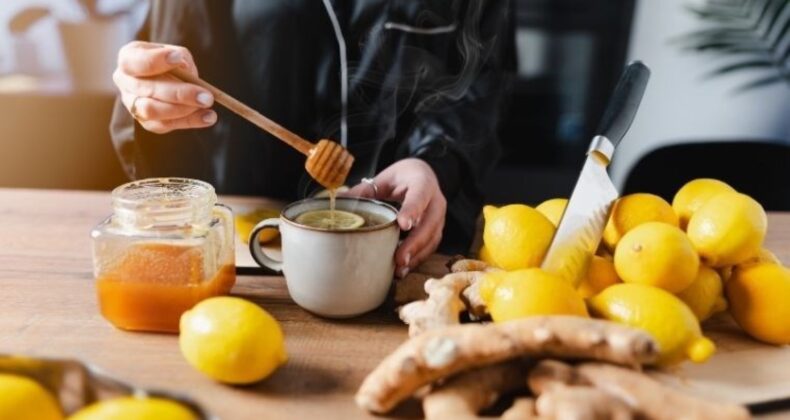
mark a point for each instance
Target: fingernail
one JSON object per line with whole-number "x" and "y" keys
{"x": 205, "y": 98}
{"x": 407, "y": 259}
{"x": 403, "y": 272}
{"x": 209, "y": 117}
{"x": 175, "y": 57}
{"x": 411, "y": 224}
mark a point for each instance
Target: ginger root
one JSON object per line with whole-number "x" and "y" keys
{"x": 654, "y": 400}
{"x": 463, "y": 396}
{"x": 549, "y": 374}
{"x": 411, "y": 288}
{"x": 562, "y": 395}
{"x": 440, "y": 353}
{"x": 474, "y": 303}
{"x": 442, "y": 307}
{"x": 522, "y": 409}
{"x": 432, "y": 303}
{"x": 463, "y": 264}
{"x": 581, "y": 403}
{"x": 435, "y": 266}
{"x": 646, "y": 397}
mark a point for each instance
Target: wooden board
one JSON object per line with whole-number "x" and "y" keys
{"x": 48, "y": 308}
{"x": 743, "y": 370}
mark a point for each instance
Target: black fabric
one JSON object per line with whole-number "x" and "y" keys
{"x": 434, "y": 96}
{"x": 757, "y": 168}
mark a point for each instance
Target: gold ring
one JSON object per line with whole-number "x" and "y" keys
{"x": 372, "y": 183}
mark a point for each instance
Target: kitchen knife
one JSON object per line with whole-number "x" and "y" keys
{"x": 587, "y": 212}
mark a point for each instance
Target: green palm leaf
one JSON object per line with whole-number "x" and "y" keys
{"x": 755, "y": 31}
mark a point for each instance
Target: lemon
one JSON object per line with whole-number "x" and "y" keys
{"x": 633, "y": 210}
{"x": 485, "y": 256}
{"x": 657, "y": 254}
{"x": 763, "y": 256}
{"x": 705, "y": 295}
{"x": 691, "y": 196}
{"x": 516, "y": 236}
{"x": 660, "y": 313}
{"x": 489, "y": 283}
{"x": 728, "y": 229}
{"x": 231, "y": 340}
{"x": 328, "y": 219}
{"x": 246, "y": 221}
{"x": 22, "y": 398}
{"x": 531, "y": 292}
{"x": 600, "y": 275}
{"x": 134, "y": 408}
{"x": 553, "y": 209}
{"x": 759, "y": 295}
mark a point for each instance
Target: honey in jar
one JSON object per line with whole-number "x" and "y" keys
{"x": 166, "y": 247}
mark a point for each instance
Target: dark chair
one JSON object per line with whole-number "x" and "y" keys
{"x": 759, "y": 169}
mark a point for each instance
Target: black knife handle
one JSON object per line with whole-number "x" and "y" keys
{"x": 622, "y": 106}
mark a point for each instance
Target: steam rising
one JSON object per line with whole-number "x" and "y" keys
{"x": 411, "y": 72}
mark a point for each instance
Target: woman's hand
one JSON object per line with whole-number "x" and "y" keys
{"x": 159, "y": 101}
{"x": 413, "y": 183}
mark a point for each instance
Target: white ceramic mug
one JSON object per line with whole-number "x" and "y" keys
{"x": 334, "y": 273}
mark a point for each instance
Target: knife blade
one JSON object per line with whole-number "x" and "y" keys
{"x": 582, "y": 224}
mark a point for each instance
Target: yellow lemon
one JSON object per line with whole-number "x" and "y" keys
{"x": 246, "y": 221}
{"x": 134, "y": 408}
{"x": 660, "y": 313}
{"x": 705, "y": 295}
{"x": 489, "y": 283}
{"x": 633, "y": 210}
{"x": 728, "y": 229}
{"x": 657, "y": 254}
{"x": 600, "y": 275}
{"x": 485, "y": 256}
{"x": 531, "y": 292}
{"x": 22, "y": 398}
{"x": 759, "y": 296}
{"x": 553, "y": 209}
{"x": 231, "y": 340}
{"x": 516, "y": 236}
{"x": 763, "y": 256}
{"x": 691, "y": 196}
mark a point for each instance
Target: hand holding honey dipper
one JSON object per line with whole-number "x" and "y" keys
{"x": 160, "y": 87}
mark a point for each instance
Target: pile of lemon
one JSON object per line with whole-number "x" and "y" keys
{"x": 24, "y": 398}
{"x": 661, "y": 267}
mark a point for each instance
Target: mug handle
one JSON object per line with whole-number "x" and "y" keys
{"x": 258, "y": 255}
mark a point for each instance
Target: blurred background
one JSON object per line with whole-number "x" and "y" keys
{"x": 718, "y": 103}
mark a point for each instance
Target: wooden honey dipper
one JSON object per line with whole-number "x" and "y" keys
{"x": 327, "y": 162}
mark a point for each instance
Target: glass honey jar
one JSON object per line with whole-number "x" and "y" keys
{"x": 167, "y": 246}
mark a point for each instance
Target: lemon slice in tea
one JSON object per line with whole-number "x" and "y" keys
{"x": 327, "y": 219}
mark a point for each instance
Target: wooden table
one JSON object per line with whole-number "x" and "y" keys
{"x": 48, "y": 308}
